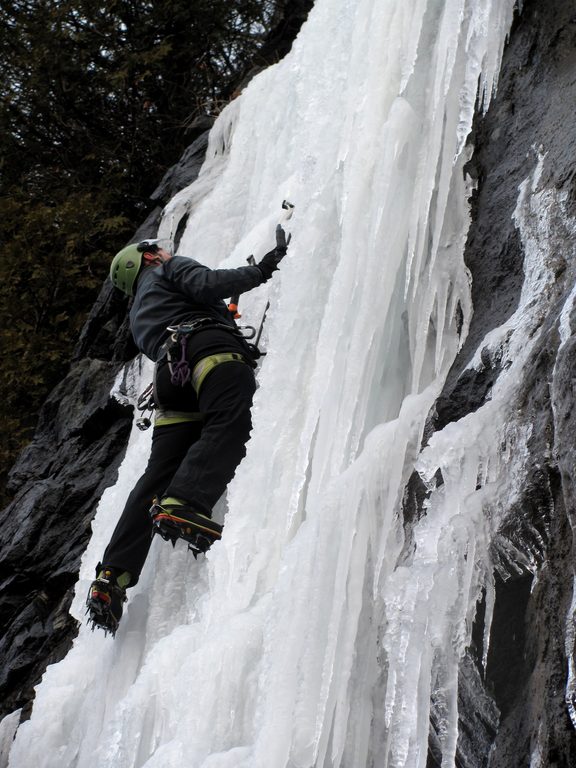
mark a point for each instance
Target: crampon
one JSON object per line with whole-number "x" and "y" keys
{"x": 105, "y": 602}
{"x": 173, "y": 522}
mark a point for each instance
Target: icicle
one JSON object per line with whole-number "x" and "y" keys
{"x": 300, "y": 639}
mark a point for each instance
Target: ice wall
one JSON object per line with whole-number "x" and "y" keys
{"x": 312, "y": 635}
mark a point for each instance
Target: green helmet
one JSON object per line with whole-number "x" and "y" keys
{"x": 127, "y": 263}
{"x": 125, "y": 268}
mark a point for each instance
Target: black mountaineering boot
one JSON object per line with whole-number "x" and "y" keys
{"x": 173, "y": 519}
{"x": 106, "y": 598}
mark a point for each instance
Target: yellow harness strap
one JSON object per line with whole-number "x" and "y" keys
{"x": 207, "y": 364}
{"x": 164, "y": 417}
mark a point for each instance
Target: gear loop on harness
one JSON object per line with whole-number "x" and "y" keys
{"x": 180, "y": 371}
{"x": 145, "y": 403}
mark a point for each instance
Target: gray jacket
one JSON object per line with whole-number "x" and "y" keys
{"x": 182, "y": 290}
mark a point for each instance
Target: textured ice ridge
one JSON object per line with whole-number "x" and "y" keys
{"x": 300, "y": 641}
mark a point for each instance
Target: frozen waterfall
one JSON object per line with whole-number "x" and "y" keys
{"x": 315, "y": 633}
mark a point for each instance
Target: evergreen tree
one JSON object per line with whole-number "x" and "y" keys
{"x": 96, "y": 102}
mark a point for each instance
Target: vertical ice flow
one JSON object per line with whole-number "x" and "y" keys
{"x": 310, "y": 636}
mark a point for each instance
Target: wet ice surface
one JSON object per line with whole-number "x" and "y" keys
{"x": 300, "y": 640}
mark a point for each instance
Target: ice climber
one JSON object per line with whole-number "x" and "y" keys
{"x": 203, "y": 388}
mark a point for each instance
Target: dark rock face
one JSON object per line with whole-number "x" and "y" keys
{"x": 80, "y": 440}
{"x": 519, "y": 699}
{"x": 187, "y": 168}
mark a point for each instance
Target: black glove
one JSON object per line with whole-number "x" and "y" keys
{"x": 270, "y": 261}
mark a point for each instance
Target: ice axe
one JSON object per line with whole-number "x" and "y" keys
{"x": 289, "y": 208}
{"x": 233, "y": 306}
{"x": 281, "y": 242}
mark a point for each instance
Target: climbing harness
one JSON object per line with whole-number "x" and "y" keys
{"x": 181, "y": 373}
{"x": 165, "y": 417}
{"x": 179, "y": 367}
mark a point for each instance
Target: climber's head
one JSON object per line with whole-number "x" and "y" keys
{"x": 128, "y": 262}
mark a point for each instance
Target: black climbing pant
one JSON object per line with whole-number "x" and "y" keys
{"x": 190, "y": 460}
